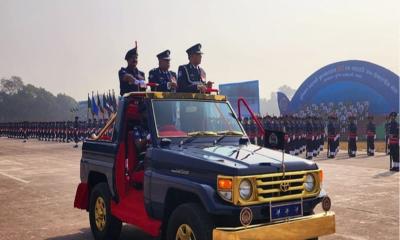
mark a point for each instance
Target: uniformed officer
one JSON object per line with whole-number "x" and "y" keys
{"x": 76, "y": 128}
{"x": 387, "y": 123}
{"x": 191, "y": 77}
{"x": 332, "y": 134}
{"x": 246, "y": 125}
{"x": 352, "y": 137}
{"x": 310, "y": 138}
{"x": 252, "y": 131}
{"x": 165, "y": 78}
{"x": 131, "y": 79}
{"x": 371, "y": 136}
{"x": 315, "y": 138}
{"x": 394, "y": 141}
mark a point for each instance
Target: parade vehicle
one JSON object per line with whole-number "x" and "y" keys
{"x": 180, "y": 166}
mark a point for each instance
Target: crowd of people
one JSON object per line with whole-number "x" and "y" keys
{"x": 359, "y": 110}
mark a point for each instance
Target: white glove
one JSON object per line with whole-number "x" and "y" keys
{"x": 142, "y": 84}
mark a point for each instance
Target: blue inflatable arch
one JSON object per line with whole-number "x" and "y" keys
{"x": 350, "y": 81}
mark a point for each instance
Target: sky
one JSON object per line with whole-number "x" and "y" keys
{"x": 76, "y": 47}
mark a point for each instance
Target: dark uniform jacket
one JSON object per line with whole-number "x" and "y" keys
{"x": 394, "y": 132}
{"x": 162, "y": 78}
{"x": 189, "y": 77}
{"x": 331, "y": 129}
{"x": 371, "y": 129}
{"x": 352, "y": 130}
{"x": 125, "y": 87}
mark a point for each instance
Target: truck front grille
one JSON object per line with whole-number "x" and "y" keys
{"x": 269, "y": 187}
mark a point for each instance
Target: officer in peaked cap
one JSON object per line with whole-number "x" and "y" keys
{"x": 191, "y": 77}
{"x": 131, "y": 79}
{"x": 332, "y": 133}
{"x": 371, "y": 135}
{"x": 352, "y": 137}
{"x": 165, "y": 78}
{"x": 394, "y": 142}
{"x": 75, "y": 131}
{"x": 387, "y": 124}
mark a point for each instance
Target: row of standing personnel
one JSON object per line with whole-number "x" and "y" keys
{"x": 61, "y": 131}
{"x": 309, "y": 135}
{"x": 301, "y": 134}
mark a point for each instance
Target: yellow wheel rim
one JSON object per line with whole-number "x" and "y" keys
{"x": 185, "y": 233}
{"x": 100, "y": 213}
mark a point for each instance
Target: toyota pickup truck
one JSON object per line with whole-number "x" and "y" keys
{"x": 180, "y": 166}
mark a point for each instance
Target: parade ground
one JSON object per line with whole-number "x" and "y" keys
{"x": 38, "y": 182}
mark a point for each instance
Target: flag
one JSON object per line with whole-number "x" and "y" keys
{"x": 89, "y": 104}
{"x": 110, "y": 101}
{"x": 99, "y": 104}
{"x": 114, "y": 101}
{"x": 106, "y": 105}
{"x": 95, "y": 109}
{"x": 274, "y": 140}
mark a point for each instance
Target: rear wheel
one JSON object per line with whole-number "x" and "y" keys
{"x": 189, "y": 222}
{"x": 104, "y": 226}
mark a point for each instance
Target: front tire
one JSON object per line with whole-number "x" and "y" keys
{"x": 190, "y": 221}
{"x": 104, "y": 226}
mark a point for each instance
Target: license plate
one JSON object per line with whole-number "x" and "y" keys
{"x": 285, "y": 211}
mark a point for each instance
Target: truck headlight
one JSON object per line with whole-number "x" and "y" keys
{"x": 309, "y": 184}
{"x": 225, "y": 188}
{"x": 245, "y": 189}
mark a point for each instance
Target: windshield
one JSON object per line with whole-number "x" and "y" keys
{"x": 182, "y": 118}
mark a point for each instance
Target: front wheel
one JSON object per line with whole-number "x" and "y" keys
{"x": 190, "y": 221}
{"x": 104, "y": 226}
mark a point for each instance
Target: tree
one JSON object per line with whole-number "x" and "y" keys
{"x": 11, "y": 86}
{"x": 19, "y": 102}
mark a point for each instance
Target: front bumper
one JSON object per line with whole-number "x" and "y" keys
{"x": 294, "y": 229}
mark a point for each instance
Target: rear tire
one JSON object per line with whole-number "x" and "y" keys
{"x": 106, "y": 227}
{"x": 190, "y": 220}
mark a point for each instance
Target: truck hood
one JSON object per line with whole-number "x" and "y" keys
{"x": 246, "y": 159}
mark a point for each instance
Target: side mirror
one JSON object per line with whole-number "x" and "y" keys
{"x": 165, "y": 142}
